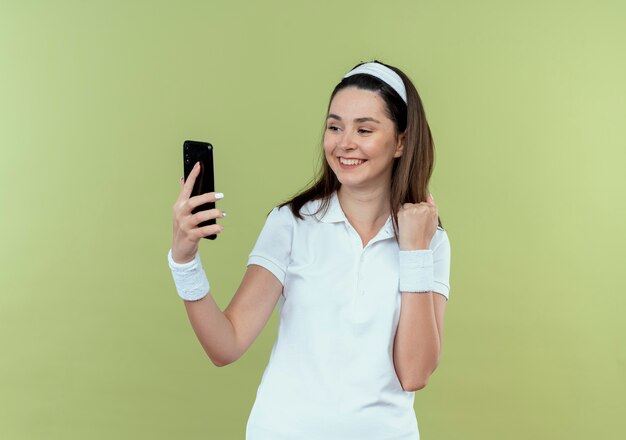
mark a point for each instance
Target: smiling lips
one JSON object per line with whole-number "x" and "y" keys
{"x": 350, "y": 163}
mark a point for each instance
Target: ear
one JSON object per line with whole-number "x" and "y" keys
{"x": 400, "y": 145}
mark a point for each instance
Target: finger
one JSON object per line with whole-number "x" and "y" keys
{"x": 191, "y": 180}
{"x": 204, "y": 198}
{"x": 205, "y": 231}
{"x": 182, "y": 182}
{"x": 209, "y": 214}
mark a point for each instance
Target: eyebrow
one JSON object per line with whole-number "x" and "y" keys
{"x": 366, "y": 119}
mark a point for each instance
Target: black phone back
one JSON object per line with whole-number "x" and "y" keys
{"x": 197, "y": 151}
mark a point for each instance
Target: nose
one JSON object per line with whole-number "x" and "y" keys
{"x": 346, "y": 141}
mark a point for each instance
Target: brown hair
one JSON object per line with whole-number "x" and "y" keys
{"x": 411, "y": 171}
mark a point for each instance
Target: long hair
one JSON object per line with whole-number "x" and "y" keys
{"x": 411, "y": 171}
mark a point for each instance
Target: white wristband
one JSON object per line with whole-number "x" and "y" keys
{"x": 190, "y": 279}
{"x": 417, "y": 271}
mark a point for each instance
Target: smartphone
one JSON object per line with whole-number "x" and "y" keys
{"x": 197, "y": 151}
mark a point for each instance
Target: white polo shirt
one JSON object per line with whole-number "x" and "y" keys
{"x": 331, "y": 374}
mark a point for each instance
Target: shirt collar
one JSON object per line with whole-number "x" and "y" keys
{"x": 335, "y": 214}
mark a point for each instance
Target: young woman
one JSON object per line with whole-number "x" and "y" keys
{"x": 358, "y": 264}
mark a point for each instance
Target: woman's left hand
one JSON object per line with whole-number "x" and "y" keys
{"x": 417, "y": 223}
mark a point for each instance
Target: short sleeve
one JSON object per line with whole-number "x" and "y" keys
{"x": 441, "y": 260}
{"x": 273, "y": 247}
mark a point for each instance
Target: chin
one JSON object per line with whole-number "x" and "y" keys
{"x": 352, "y": 183}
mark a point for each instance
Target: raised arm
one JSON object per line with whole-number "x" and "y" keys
{"x": 225, "y": 336}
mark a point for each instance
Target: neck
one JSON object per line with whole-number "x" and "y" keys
{"x": 368, "y": 208}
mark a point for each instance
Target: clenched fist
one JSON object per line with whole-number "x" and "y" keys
{"x": 417, "y": 223}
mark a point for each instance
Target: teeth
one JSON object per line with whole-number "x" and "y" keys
{"x": 350, "y": 161}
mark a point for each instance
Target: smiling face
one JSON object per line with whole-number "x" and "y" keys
{"x": 360, "y": 141}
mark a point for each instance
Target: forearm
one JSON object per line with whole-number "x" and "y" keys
{"x": 417, "y": 343}
{"x": 213, "y": 329}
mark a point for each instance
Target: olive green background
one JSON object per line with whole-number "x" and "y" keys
{"x": 526, "y": 101}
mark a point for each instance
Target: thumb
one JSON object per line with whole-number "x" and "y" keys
{"x": 430, "y": 199}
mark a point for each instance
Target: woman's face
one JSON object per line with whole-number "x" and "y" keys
{"x": 359, "y": 132}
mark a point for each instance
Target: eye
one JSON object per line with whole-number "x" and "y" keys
{"x": 362, "y": 130}
{"x": 332, "y": 128}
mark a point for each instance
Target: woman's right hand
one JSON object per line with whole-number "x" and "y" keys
{"x": 187, "y": 234}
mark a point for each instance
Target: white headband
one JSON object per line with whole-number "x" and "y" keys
{"x": 383, "y": 73}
